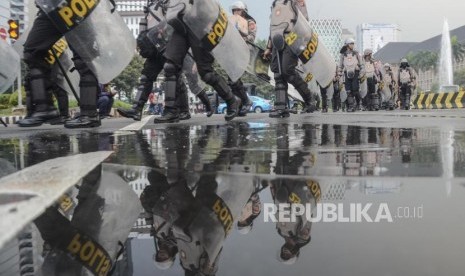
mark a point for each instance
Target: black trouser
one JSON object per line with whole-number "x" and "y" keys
{"x": 176, "y": 51}
{"x": 288, "y": 74}
{"x": 405, "y": 93}
{"x": 336, "y": 96}
{"x": 41, "y": 38}
{"x": 352, "y": 86}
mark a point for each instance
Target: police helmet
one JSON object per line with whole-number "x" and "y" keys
{"x": 367, "y": 52}
{"x": 349, "y": 41}
{"x": 239, "y": 5}
{"x": 163, "y": 264}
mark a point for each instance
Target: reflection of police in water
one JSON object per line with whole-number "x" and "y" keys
{"x": 296, "y": 233}
{"x": 92, "y": 241}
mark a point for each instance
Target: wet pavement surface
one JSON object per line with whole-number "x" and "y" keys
{"x": 197, "y": 197}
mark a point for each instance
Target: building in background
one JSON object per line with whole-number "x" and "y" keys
{"x": 19, "y": 10}
{"x": 4, "y": 13}
{"x": 132, "y": 12}
{"x": 376, "y": 36}
{"x": 330, "y": 32}
{"x": 393, "y": 52}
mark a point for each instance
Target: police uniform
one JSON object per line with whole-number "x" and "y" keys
{"x": 406, "y": 80}
{"x": 39, "y": 86}
{"x": 372, "y": 99}
{"x": 153, "y": 66}
{"x": 283, "y": 65}
{"x": 181, "y": 40}
{"x": 350, "y": 65}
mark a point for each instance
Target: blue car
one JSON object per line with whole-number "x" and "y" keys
{"x": 259, "y": 105}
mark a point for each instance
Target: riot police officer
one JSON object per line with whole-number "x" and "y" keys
{"x": 351, "y": 66}
{"x": 183, "y": 38}
{"x": 49, "y": 26}
{"x": 371, "y": 79}
{"x": 389, "y": 86}
{"x": 153, "y": 65}
{"x": 284, "y": 63}
{"x": 406, "y": 81}
{"x": 247, "y": 27}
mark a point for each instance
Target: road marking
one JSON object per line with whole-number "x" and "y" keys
{"x": 137, "y": 125}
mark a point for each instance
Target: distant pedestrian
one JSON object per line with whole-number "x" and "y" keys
{"x": 105, "y": 100}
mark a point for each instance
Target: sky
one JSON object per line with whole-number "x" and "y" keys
{"x": 417, "y": 19}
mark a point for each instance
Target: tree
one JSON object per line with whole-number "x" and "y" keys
{"x": 459, "y": 78}
{"x": 129, "y": 78}
{"x": 423, "y": 60}
{"x": 458, "y": 49}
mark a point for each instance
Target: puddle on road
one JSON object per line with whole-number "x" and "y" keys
{"x": 200, "y": 199}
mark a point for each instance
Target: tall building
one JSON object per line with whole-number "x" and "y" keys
{"x": 132, "y": 12}
{"x": 4, "y": 13}
{"x": 19, "y": 10}
{"x": 330, "y": 32}
{"x": 376, "y": 36}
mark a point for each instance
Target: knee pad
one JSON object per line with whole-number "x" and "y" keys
{"x": 210, "y": 78}
{"x": 170, "y": 70}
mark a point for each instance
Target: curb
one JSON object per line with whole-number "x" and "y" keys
{"x": 11, "y": 120}
{"x": 432, "y": 100}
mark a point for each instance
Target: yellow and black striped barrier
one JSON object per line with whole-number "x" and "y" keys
{"x": 432, "y": 100}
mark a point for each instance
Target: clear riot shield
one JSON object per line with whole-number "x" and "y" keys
{"x": 98, "y": 36}
{"x": 64, "y": 54}
{"x": 209, "y": 23}
{"x": 258, "y": 66}
{"x": 9, "y": 66}
{"x": 386, "y": 92}
{"x": 363, "y": 87}
{"x": 159, "y": 31}
{"x": 306, "y": 44}
{"x": 195, "y": 83}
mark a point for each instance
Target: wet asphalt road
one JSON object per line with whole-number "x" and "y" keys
{"x": 413, "y": 162}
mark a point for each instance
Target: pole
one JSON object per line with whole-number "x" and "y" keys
{"x": 66, "y": 76}
{"x": 20, "y": 98}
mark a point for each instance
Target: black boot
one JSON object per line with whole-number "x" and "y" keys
{"x": 233, "y": 106}
{"x": 280, "y": 106}
{"x": 239, "y": 90}
{"x": 324, "y": 101}
{"x": 88, "y": 103}
{"x": 143, "y": 92}
{"x": 172, "y": 81}
{"x": 63, "y": 106}
{"x": 206, "y": 102}
{"x": 40, "y": 105}
{"x": 182, "y": 101}
{"x": 407, "y": 102}
{"x": 135, "y": 112}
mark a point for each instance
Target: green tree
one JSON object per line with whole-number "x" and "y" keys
{"x": 458, "y": 49}
{"x": 423, "y": 60}
{"x": 261, "y": 43}
{"x": 129, "y": 78}
{"x": 459, "y": 78}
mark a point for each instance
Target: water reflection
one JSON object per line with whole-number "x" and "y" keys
{"x": 182, "y": 193}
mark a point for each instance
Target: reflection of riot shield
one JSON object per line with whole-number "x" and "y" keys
{"x": 363, "y": 87}
{"x": 99, "y": 226}
{"x": 213, "y": 222}
{"x": 258, "y": 66}
{"x": 9, "y": 65}
{"x": 99, "y": 37}
{"x": 209, "y": 23}
{"x": 316, "y": 59}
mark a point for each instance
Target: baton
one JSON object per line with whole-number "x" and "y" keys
{"x": 66, "y": 76}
